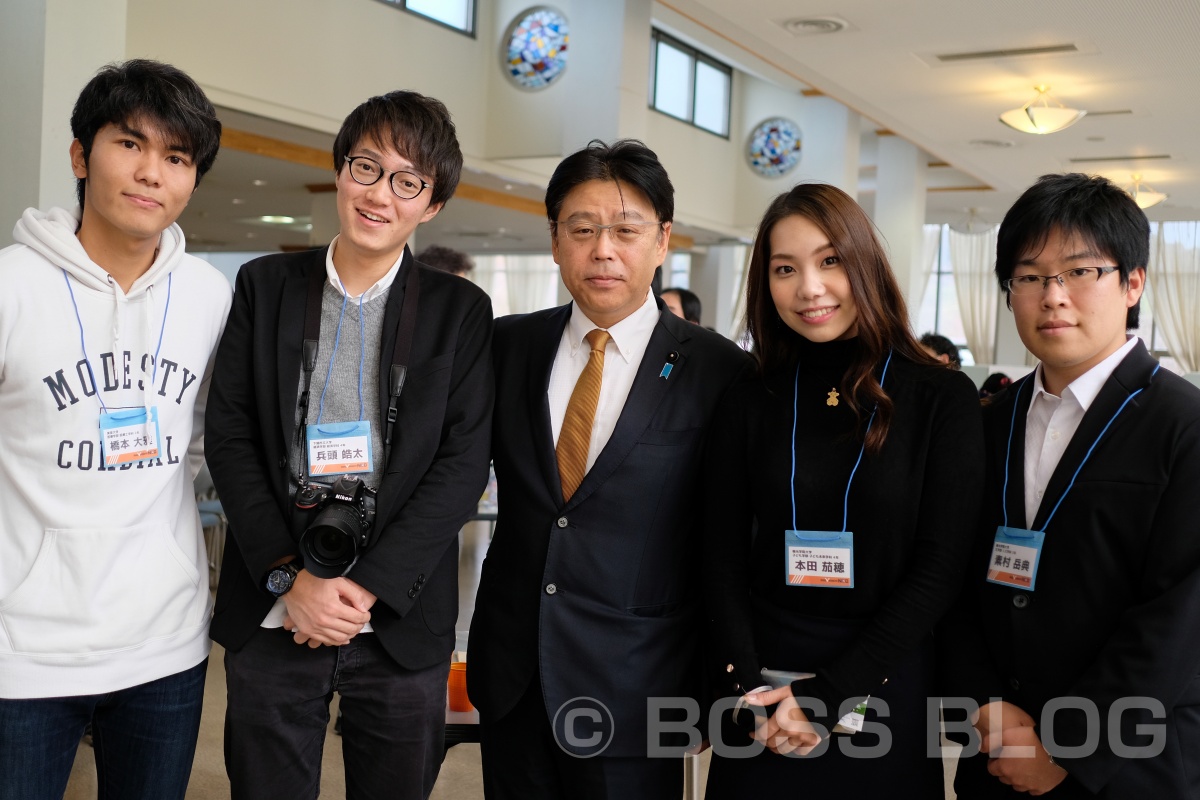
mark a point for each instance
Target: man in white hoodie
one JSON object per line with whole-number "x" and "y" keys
{"x": 104, "y": 601}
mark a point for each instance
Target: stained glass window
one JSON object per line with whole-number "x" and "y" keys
{"x": 535, "y": 48}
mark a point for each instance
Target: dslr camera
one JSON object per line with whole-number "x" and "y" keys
{"x": 341, "y": 527}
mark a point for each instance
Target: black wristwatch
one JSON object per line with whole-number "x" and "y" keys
{"x": 281, "y": 578}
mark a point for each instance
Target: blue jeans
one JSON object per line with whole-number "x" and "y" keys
{"x": 144, "y": 738}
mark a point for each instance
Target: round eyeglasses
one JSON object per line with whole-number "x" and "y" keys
{"x": 1072, "y": 279}
{"x": 367, "y": 171}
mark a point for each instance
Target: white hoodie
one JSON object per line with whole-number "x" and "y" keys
{"x": 103, "y": 573}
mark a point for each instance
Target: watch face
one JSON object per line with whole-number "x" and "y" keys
{"x": 280, "y": 580}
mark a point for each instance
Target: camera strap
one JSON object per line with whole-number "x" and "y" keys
{"x": 401, "y": 352}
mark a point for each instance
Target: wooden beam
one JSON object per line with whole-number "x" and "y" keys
{"x": 246, "y": 142}
{"x": 491, "y": 197}
{"x": 320, "y": 188}
{"x": 680, "y": 242}
{"x": 960, "y": 189}
{"x": 811, "y": 93}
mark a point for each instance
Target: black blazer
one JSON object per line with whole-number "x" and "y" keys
{"x": 431, "y": 484}
{"x": 1116, "y": 607}
{"x": 597, "y": 597}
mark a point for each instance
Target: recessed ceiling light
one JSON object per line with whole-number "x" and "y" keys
{"x": 277, "y": 219}
{"x": 508, "y": 186}
{"x": 259, "y": 182}
{"x": 237, "y": 201}
{"x": 812, "y": 25}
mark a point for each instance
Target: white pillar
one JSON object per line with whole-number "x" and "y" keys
{"x": 715, "y": 279}
{"x": 325, "y": 222}
{"x": 49, "y": 49}
{"x": 830, "y": 145}
{"x": 900, "y": 212}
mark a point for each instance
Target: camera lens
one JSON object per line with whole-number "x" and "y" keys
{"x": 330, "y": 544}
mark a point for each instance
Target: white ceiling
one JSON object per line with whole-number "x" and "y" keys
{"x": 1136, "y": 58}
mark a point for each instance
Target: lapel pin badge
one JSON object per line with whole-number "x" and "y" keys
{"x": 667, "y": 367}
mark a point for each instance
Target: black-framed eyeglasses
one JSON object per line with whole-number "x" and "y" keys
{"x": 368, "y": 171}
{"x": 1077, "y": 278}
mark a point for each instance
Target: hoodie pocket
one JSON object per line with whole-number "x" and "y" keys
{"x": 97, "y": 589}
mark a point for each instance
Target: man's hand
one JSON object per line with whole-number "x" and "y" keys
{"x": 998, "y": 716}
{"x": 788, "y": 729}
{"x": 326, "y": 611}
{"x": 1017, "y": 758}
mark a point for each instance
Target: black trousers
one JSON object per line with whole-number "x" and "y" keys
{"x": 522, "y": 761}
{"x": 393, "y": 719}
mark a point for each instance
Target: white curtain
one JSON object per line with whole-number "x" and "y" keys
{"x": 929, "y": 251}
{"x": 517, "y": 284}
{"x": 972, "y": 259}
{"x": 1174, "y": 284}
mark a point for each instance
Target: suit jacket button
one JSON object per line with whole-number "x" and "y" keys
{"x": 412, "y": 593}
{"x": 283, "y": 463}
{"x": 551, "y": 588}
{"x": 562, "y": 522}
{"x": 420, "y": 579}
{"x": 1021, "y": 600}
{"x": 1015, "y": 684}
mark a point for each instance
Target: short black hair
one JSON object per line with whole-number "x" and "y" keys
{"x": 1090, "y": 207}
{"x": 626, "y": 161}
{"x": 418, "y": 127}
{"x": 689, "y": 301}
{"x": 943, "y": 347}
{"x": 447, "y": 259}
{"x": 156, "y": 92}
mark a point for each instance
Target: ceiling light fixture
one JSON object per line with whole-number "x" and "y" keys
{"x": 277, "y": 219}
{"x": 1039, "y": 116}
{"x": 1144, "y": 196}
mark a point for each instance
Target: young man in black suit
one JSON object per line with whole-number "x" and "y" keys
{"x": 350, "y": 362}
{"x": 587, "y": 606}
{"x": 1076, "y": 635}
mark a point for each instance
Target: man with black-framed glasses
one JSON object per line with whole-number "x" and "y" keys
{"x": 349, "y": 429}
{"x": 1076, "y": 635}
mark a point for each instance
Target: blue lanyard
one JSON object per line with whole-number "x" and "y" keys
{"x": 795, "y": 419}
{"x": 83, "y": 345}
{"x": 1008, "y": 453}
{"x": 361, "y": 357}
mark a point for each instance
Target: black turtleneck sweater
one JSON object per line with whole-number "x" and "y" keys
{"x": 912, "y": 508}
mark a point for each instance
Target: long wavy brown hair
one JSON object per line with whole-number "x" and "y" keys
{"x": 882, "y": 314}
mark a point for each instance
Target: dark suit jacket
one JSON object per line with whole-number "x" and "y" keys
{"x": 622, "y": 555}
{"x": 1116, "y": 607}
{"x": 431, "y": 485}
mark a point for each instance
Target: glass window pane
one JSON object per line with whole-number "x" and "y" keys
{"x": 712, "y": 99}
{"x": 456, "y": 13}
{"x": 672, "y": 81}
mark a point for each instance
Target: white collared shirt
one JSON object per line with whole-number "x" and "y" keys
{"x": 380, "y": 286}
{"x": 622, "y": 356}
{"x": 1052, "y": 421}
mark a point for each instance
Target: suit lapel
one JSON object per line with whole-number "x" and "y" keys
{"x": 1131, "y": 374}
{"x": 543, "y": 347}
{"x": 670, "y": 336}
{"x": 290, "y": 336}
{"x": 1014, "y": 447}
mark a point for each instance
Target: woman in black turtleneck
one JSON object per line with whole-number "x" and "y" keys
{"x": 817, "y": 446}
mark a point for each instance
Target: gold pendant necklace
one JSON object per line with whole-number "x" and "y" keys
{"x": 832, "y": 399}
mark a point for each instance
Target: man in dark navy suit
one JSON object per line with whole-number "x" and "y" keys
{"x": 587, "y": 605}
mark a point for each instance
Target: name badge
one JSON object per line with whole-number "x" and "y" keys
{"x": 819, "y": 558}
{"x": 1015, "y": 555}
{"x": 339, "y": 448}
{"x": 129, "y": 435}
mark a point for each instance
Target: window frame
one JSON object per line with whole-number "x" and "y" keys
{"x": 694, "y": 56}
{"x": 402, "y": 5}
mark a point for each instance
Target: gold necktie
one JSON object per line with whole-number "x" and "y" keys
{"x": 576, "y": 434}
